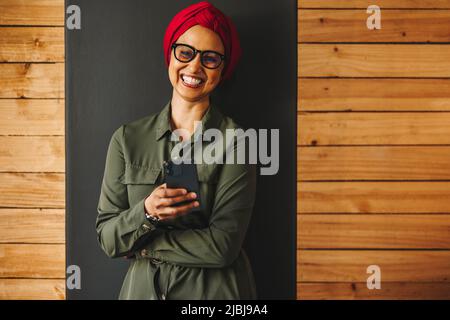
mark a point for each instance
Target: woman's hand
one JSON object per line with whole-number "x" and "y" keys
{"x": 160, "y": 202}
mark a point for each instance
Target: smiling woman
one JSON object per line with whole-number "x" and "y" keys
{"x": 177, "y": 252}
{"x": 191, "y": 80}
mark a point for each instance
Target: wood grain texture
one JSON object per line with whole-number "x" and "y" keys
{"x": 396, "y": 26}
{"x": 373, "y": 163}
{"x": 373, "y": 60}
{"x": 32, "y": 154}
{"x": 351, "y": 265}
{"x": 406, "y": 4}
{"x": 32, "y": 12}
{"x": 373, "y": 128}
{"x": 373, "y": 186}
{"x": 28, "y": 80}
{"x": 373, "y": 95}
{"x": 32, "y": 116}
{"x": 373, "y": 197}
{"x": 36, "y": 44}
{"x": 370, "y": 231}
{"x": 32, "y": 195}
{"x": 359, "y": 291}
{"x": 32, "y": 261}
{"x": 32, "y": 190}
{"x": 32, "y": 289}
{"x": 32, "y": 225}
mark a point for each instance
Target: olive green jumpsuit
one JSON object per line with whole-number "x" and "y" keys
{"x": 198, "y": 255}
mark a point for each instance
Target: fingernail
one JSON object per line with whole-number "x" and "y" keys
{"x": 193, "y": 195}
{"x": 196, "y": 204}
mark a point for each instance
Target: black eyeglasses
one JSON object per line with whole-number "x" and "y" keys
{"x": 209, "y": 59}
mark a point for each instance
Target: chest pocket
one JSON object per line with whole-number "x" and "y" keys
{"x": 140, "y": 175}
{"x": 140, "y": 182}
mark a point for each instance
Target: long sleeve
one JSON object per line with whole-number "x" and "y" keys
{"x": 219, "y": 244}
{"x": 118, "y": 226}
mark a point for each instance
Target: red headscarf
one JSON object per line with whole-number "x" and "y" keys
{"x": 208, "y": 16}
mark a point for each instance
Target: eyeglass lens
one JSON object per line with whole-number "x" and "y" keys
{"x": 209, "y": 59}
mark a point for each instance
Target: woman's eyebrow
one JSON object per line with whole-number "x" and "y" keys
{"x": 185, "y": 43}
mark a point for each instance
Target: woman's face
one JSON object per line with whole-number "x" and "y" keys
{"x": 200, "y": 38}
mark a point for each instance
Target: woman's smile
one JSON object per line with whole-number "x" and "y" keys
{"x": 190, "y": 81}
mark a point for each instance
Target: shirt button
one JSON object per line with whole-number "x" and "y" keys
{"x": 163, "y": 296}
{"x": 155, "y": 261}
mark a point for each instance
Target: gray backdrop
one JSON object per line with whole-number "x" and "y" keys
{"x": 115, "y": 73}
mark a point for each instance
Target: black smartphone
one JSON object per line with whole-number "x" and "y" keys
{"x": 183, "y": 175}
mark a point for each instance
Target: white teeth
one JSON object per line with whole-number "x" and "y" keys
{"x": 191, "y": 80}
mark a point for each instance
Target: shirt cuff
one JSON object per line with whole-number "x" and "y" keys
{"x": 141, "y": 224}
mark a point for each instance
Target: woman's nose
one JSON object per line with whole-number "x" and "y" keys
{"x": 195, "y": 64}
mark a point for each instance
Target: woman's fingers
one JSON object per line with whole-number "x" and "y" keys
{"x": 172, "y": 212}
{"x": 163, "y": 200}
{"x": 164, "y": 192}
{"x": 166, "y": 202}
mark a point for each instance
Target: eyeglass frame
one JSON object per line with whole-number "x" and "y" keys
{"x": 175, "y": 45}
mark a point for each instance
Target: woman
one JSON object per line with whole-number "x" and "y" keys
{"x": 180, "y": 252}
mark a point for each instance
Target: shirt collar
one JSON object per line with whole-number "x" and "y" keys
{"x": 163, "y": 122}
{"x": 211, "y": 119}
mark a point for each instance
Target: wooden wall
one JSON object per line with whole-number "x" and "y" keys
{"x": 32, "y": 187}
{"x": 373, "y": 149}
